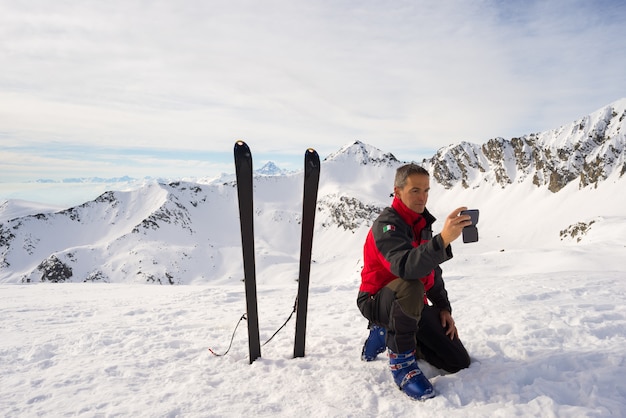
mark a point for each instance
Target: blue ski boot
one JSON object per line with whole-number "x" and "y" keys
{"x": 375, "y": 343}
{"x": 409, "y": 377}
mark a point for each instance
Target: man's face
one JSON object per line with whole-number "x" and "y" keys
{"x": 415, "y": 193}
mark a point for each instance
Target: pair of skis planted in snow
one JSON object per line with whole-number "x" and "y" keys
{"x": 243, "y": 172}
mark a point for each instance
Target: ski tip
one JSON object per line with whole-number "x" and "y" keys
{"x": 311, "y": 153}
{"x": 312, "y": 157}
{"x": 241, "y": 148}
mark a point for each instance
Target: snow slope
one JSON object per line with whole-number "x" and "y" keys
{"x": 546, "y": 339}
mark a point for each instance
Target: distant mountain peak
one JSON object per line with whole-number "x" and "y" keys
{"x": 270, "y": 169}
{"x": 363, "y": 154}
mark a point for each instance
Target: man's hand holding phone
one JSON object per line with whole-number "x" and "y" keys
{"x": 470, "y": 232}
{"x": 454, "y": 225}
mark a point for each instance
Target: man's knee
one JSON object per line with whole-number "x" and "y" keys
{"x": 365, "y": 304}
{"x": 409, "y": 295}
{"x": 376, "y": 307}
{"x": 462, "y": 359}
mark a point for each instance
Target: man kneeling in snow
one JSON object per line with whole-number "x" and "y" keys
{"x": 400, "y": 274}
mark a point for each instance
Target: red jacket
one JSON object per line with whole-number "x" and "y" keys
{"x": 400, "y": 244}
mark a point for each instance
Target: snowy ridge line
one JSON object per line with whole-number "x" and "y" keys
{"x": 184, "y": 232}
{"x": 588, "y": 151}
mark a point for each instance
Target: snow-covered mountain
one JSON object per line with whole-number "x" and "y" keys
{"x": 587, "y": 151}
{"x": 543, "y": 188}
{"x": 270, "y": 169}
{"x": 362, "y": 154}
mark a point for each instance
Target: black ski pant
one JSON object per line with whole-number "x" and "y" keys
{"x": 411, "y": 325}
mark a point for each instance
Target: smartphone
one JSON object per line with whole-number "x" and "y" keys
{"x": 473, "y": 213}
{"x": 470, "y": 232}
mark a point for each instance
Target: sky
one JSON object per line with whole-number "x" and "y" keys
{"x": 164, "y": 89}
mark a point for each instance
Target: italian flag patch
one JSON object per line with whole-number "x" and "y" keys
{"x": 388, "y": 228}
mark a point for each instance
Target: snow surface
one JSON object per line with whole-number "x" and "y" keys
{"x": 542, "y": 344}
{"x": 542, "y": 315}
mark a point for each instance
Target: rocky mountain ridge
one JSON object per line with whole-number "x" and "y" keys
{"x": 588, "y": 150}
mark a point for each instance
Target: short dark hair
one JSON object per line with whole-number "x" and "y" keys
{"x": 403, "y": 172}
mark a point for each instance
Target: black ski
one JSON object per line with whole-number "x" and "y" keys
{"x": 309, "y": 204}
{"x": 243, "y": 171}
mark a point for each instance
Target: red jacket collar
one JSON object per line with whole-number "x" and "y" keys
{"x": 405, "y": 213}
